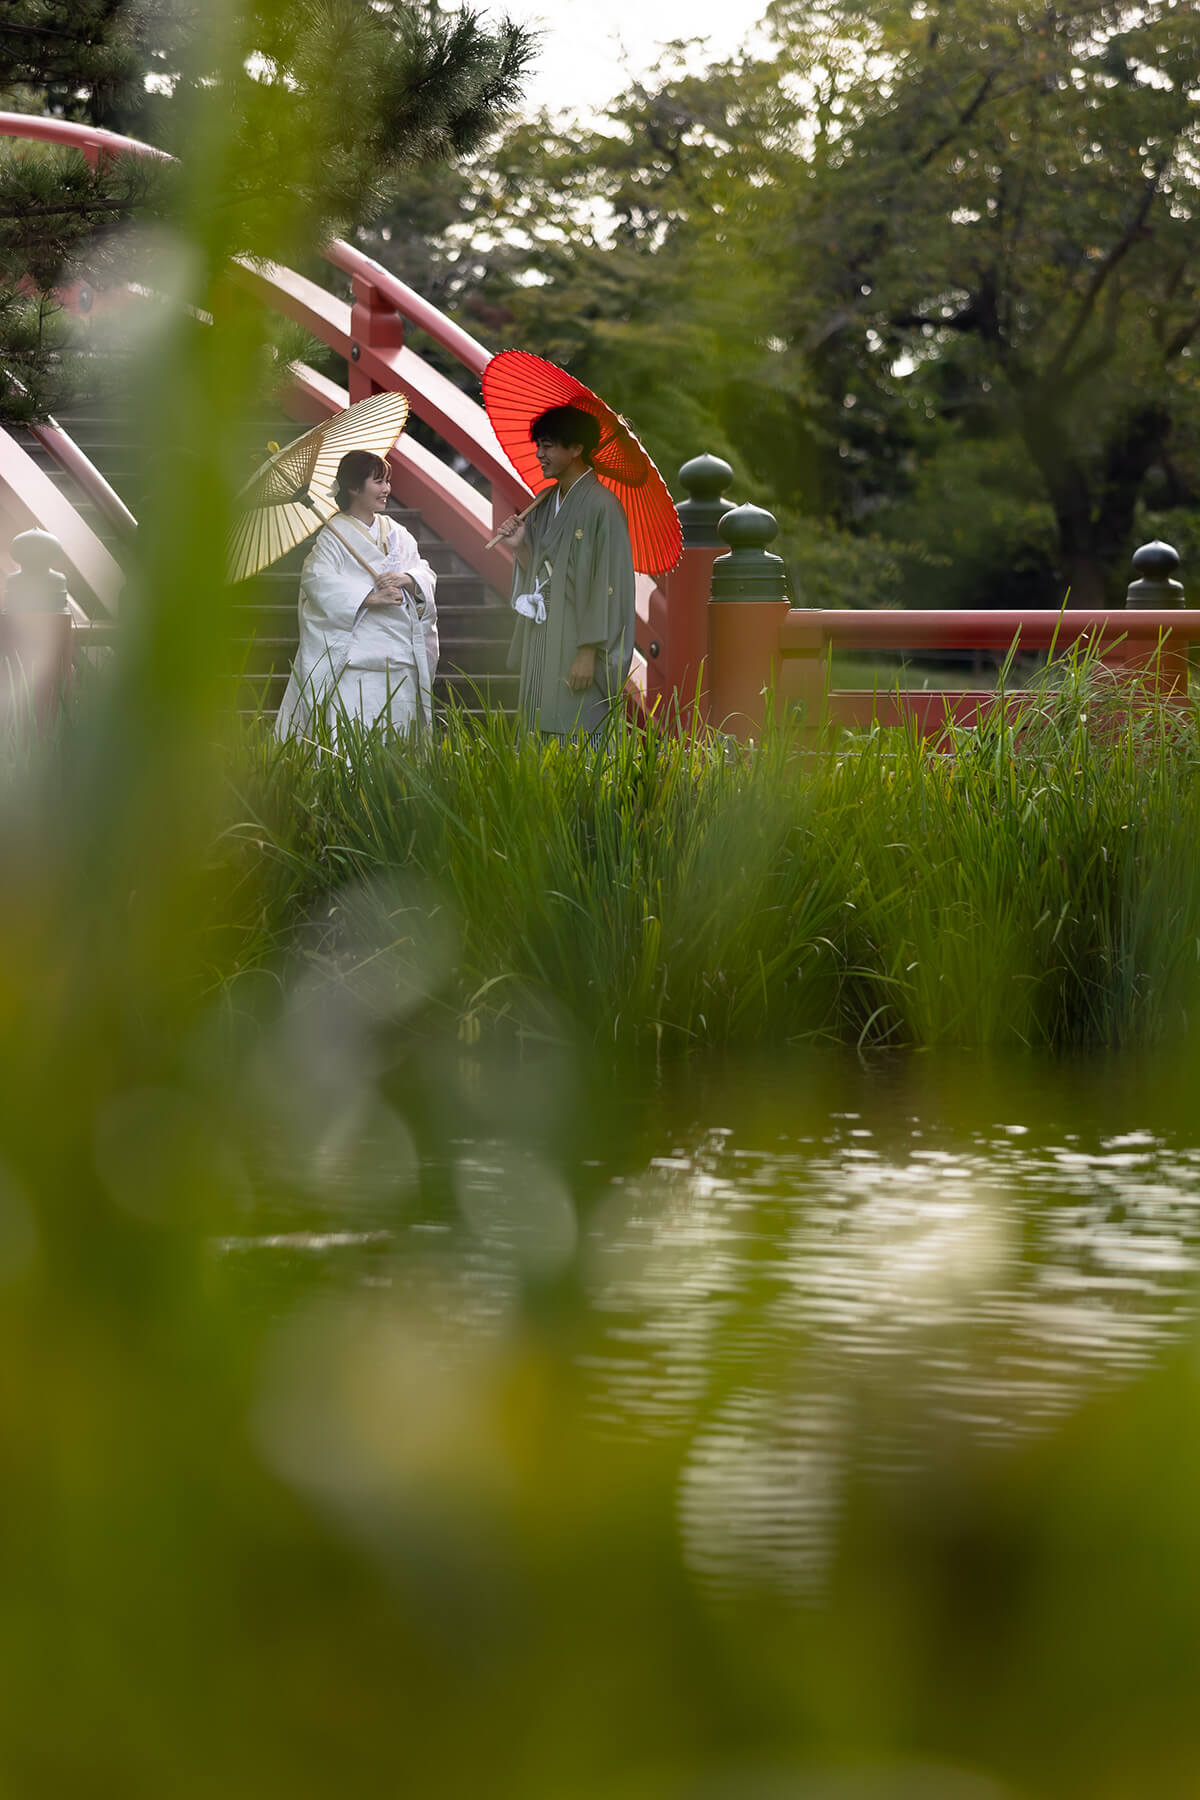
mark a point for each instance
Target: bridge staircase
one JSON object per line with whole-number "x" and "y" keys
{"x": 474, "y": 623}
{"x": 474, "y": 629}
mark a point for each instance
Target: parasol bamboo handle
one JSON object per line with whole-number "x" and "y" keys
{"x": 373, "y": 573}
{"x": 536, "y": 501}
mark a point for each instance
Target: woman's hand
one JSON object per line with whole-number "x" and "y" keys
{"x": 389, "y": 590}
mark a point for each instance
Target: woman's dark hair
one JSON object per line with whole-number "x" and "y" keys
{"x": 355, "y": 468}
{"x": 567, "y": 425}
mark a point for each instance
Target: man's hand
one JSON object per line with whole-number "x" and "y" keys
{"x": 582, "y": 671}
{"x": 512, "y": 533}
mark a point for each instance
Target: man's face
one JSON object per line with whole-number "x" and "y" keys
{"x": 554, "y": 458}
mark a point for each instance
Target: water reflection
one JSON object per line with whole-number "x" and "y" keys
{"x": 847, "y": 1264}
{"x": 762, "y": 1294}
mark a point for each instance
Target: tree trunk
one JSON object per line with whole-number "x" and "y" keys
{"x": 1094, "y": 511}
{"x": 1087, "y": 585}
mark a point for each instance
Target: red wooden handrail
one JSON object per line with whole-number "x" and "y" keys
{"x": 1151, "y": 641}
{"x": 29, "y": 499}
{"x": 453, "y": 414}
{"x": 888, "y": 630}
{"x": 69, "y": 457}
{"x": 90, "y": 140}
{"x": 410, "y": 305}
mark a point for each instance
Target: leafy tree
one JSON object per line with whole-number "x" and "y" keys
{"x": 327, "y": 99}
{"x": 1004, "y": 200}
{"x": 614, "y": 251}
{"x": 583, "y": 244}
{"x": 79, "y": 59}
{"x": 331, "y": 99}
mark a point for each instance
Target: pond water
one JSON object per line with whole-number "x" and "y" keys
{"x": 801, "y": 1267}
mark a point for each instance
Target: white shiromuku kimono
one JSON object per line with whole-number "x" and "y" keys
{"x": 373, "y": 662}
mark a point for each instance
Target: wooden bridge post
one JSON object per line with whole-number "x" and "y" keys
{"x": 374, "y": 325}
{"x": 1155, "y": 566}
{"x": 745, "y": 615}
{"x": 35, "y": 631}
{"x": 676, "y": 661}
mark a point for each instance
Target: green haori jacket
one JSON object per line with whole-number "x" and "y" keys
{"x": 582, "y": 561}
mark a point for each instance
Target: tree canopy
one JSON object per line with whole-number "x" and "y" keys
{"x": 912, "y": 236}
{"x": 1008, "y": 197}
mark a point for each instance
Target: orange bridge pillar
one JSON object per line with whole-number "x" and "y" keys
{"x": 745, "y": 613}
{"x": 677, "y": 671}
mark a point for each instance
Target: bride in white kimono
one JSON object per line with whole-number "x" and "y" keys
{"x": 369, "y": 651}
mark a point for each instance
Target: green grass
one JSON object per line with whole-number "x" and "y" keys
{"x": 1029, "y": 883}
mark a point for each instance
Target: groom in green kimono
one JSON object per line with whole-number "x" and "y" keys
{"x": 572, "y": 585}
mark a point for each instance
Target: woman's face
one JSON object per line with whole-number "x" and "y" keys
{"x": 375, "y": 490}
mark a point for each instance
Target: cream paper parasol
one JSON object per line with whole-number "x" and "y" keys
{"x": 291, "y": 495}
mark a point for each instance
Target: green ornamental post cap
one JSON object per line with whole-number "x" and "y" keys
{"x": 703, "y": 479}
{"x": 1155, "y": 564}
{"x": 36, "y": 585}
{"x": 750, "y": 571}
{"x": 1157, "y": 560}
{"x": 749, "y": 527}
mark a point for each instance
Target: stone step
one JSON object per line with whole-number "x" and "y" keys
{"x": 456, "y": 624}
{"x": 474, "y": 693}
{"x": 277, "y": 585}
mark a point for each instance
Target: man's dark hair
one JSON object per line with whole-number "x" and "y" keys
{"x": 567, "y": 425}
{"x": 355, "y": 468}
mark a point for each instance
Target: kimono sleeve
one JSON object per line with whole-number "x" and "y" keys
{"x": 404, "y": 555}
{"x": 333, "y": 586}
{"x": 604, "y": 598}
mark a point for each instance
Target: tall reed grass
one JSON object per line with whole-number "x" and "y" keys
{"x": 1031, "y": 882}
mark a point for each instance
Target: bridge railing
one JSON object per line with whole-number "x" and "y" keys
{"x": 762, "y": 651}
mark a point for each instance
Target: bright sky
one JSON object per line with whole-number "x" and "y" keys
{"x": 592, "y": 47}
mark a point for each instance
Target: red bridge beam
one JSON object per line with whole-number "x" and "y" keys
{"x": 807, "y": 628}
{"x": 93, "y": 143}
{"x": 453, "y": 414}
{"x": 29, "y": 500}
{"x": 410, "y": 305}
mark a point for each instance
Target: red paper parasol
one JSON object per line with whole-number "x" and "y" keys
{"x": 518, "y": 386}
